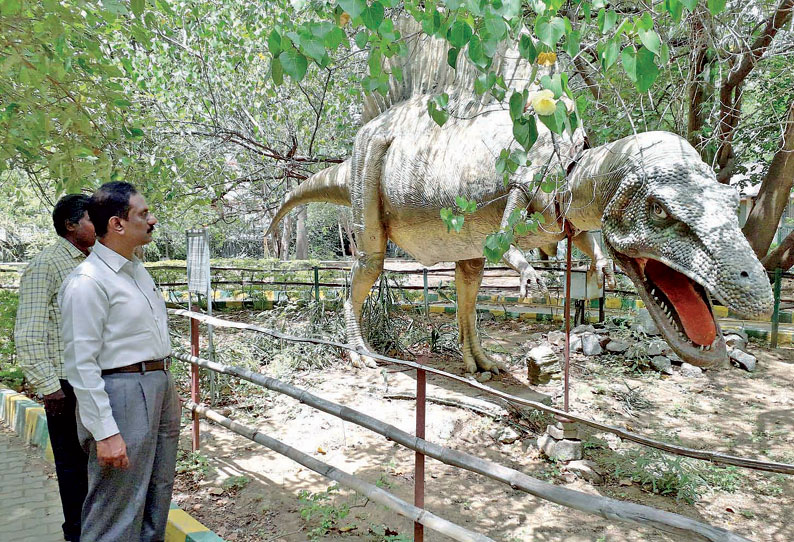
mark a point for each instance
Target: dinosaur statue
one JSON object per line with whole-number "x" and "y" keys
{"x": 664, "y": 218}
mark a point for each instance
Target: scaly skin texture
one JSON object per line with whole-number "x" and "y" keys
{"x": 665, "y": 219}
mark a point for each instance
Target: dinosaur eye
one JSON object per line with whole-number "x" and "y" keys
{"x": 658, "y": 211}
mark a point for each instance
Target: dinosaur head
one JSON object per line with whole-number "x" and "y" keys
{"x": 674, "y": 230}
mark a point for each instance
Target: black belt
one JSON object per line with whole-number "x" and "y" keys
{"x": 142, "y": 367}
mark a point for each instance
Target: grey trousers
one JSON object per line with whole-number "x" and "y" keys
{"x": 131, "y": 505}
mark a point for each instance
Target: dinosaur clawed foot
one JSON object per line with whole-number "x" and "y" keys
{"x": 480, "y": 362}
{"x": 360, "y": 361}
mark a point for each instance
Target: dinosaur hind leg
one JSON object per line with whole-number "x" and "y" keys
{"x": 468, "y": 276}
{"x": 370, "y": 233}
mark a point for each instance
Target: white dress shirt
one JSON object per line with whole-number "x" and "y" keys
{"x": 112, "y": 315}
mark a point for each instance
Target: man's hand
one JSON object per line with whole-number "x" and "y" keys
{"x": 112, "y": 452}
{"x": 55, "y": 403}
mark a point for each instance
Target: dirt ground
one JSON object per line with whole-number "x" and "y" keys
{"x": 245, "y": 492}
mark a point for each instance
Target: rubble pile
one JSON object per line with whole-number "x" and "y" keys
{"x": 636, "y": 341}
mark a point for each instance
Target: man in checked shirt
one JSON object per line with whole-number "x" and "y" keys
{"x": 39, "y": 345}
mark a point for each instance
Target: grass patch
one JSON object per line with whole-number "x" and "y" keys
{"x": 10, "y": 374}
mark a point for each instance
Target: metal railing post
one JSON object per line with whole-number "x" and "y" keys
{"x": 194, "y": 378}
{"x": 316, "y": 284}
{"x": 602, "y": 301}
{"x": 776, "y": 311}
{"x": 419, "y": 474}
{"x": 424, "y": 281}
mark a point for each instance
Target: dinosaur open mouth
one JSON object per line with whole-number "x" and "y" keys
{"x": 681, "y": 309}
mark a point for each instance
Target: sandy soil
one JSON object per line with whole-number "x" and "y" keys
{"x": 729, "y": 410}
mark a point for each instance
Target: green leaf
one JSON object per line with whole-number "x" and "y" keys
{"x": 459, "y": 34}
{"x": 373, "y": 15}
{"x": 716, "y": 6}
{"x": 526, "y": 48}
{"x": 137, "y": 7}
{"x": 606, "y": 20}
{"x": 475, "y": 53}
{"x": 452, "y": 57}
{"x": 436, "y": 107}
{"x": 640, "y": 67}
{"x": 548, "y": 185}
{"x": 517, "y": 102}
{"x": 335, "y": 38}
{"x": 674, "y": 8}
{"x": 572, "y": 43}
{"x": 122, "y": 103}
{"x": 374, "y": 62}
{"x": 553, "y": 84}
{"x": 294, "y": 64}
{"x": 650, "y": 39}
{"x": 525, "y": 130}
{"x": 274, "y": 43}
{"x": 361, "y": 39}
{"x": 277, "y": 72}
{"x": 689, "y": 4}
{"x": 609, "y": 54}
{"x": 484, "y": 83}
{"x": 549, "y": 31}
{"x": 556, "y": 121}
{"x": 645, "y": 22}
{"x": 496, "y": 27}
{"x": 354, "y": 8}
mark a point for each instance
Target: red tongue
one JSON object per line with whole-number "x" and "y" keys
{"x": 690, "y": 306}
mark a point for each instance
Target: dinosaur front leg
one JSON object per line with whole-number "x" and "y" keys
{"x": 586, "y": 242}
{"x": 530, "y": 279}
{"x": 468, "y": 276}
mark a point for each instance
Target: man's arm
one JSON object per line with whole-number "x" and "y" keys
{"x": 84, "y": 310}
{"x": 36, "y": 291}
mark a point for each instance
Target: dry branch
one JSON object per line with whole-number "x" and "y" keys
{"x": 372, "y": 492}
{"x": 602, "y": 506}
{"x": 714, "y": 457}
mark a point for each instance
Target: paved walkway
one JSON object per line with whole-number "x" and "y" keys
{"x": 30, "y": 508}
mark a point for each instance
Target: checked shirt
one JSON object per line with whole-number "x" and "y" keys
{"x": 37, "y": 333}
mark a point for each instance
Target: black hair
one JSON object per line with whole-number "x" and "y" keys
{"x": 69, "y": 210}
{"x": 109, "y": 200}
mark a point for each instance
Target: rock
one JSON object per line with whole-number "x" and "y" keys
{"x": 742, "y": 359}
{"x": 591, "y": 346}
{"x": 507, "y": 436}
{"x": 736, "y": 339}
{"x": 485, "y": 376}
{"x": 643, "y": 322}
{"x": 673, "y": 357}
{"x": 215, "y": 491}
{"x": 561, "y": 450}
{"x": 586, "y": 470}
{"x": 583, "y": 328}
{"x": 617, "y": 346}
{"x": 562, "y": 430}
{"x": 662, "y": 364}
{"x": 690, "y": 370}
{"x": 536, "y": 336}
{"x": 542, "y": 364}
{"x": 657, "y": 347}
{"x": 576, "y": 343}
{"x": 556, "y": 337}
{"x": 485, "y": 316}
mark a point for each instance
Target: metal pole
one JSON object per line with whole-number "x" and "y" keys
{"x": 567, "y": 317}
{"x": 194, "y": 378}
{"x": 316, "y": 284}
{"x": 776, "y": 312}
{"x": 419, "y": 475}
{"x": 603, "y": 300}
{"x": 424, "y": 281}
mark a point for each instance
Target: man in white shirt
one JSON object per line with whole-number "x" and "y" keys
{"x": 116, "y": 356}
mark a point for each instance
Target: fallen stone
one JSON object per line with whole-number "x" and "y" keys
{"x": 484, "y": 377}
{"x": 742, "y": 359}
{"x": 561, "y": 431}
{"x": 673, "y": 357}
{"x": 586, "y": 470}
{"x": 662, "y": 364}
{"x": 215, "y": 491}
{"x": 542, "y": 364}
{"x": 617, "y": 346}
{"x": 576, "y": 343}
{"x": 583, "y": 328}
{"x": 507, "y": 435}
{"x": 689, "y": 370}
{"x": 591, "y": 346}
{"x": 657, "y": 347}
{"x": 485, "y": 316}
{"x": 564, "y": 450}
{"x": 734, "y": 339}
{"x": 556, "y": 337}
{"x": 643, "y": 322}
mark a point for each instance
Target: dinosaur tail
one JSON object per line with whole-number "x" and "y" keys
{"x": 329, "y": 185}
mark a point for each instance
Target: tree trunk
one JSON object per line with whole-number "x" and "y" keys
{"x": 301, "y": 242}
{"x": 697, "y": 93}
{"x": 782, "y": 256}
{"x": 344, "y": 221}
{"x": 286, "y": 237}
{"x": 774, "y": 193}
